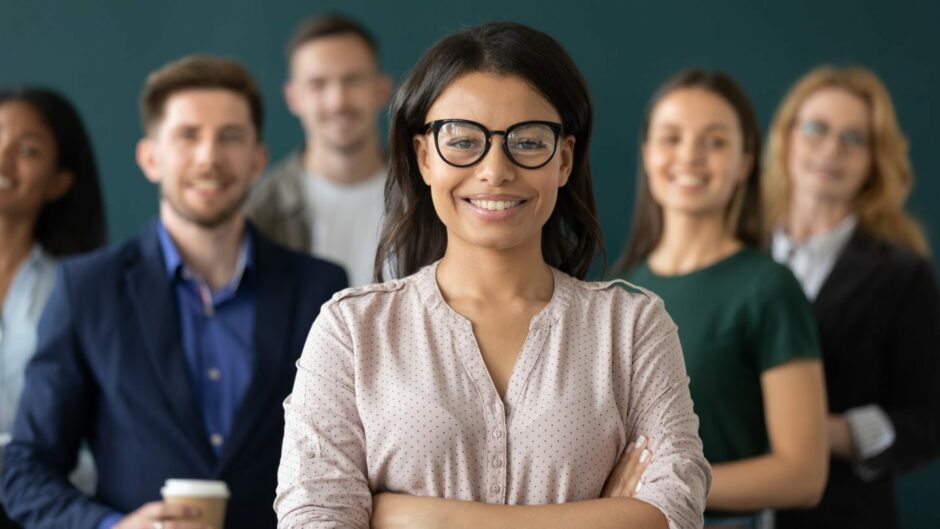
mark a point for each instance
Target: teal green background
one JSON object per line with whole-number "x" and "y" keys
{"x": 98, "y": 53}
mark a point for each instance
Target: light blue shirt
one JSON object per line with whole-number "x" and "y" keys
{"x": 19, "y": 319}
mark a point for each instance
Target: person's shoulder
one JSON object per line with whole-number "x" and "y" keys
{"x": 302, "y": 264}
{"x": 280, "y": 178}
{"x": 103, "y": 261}
{"x": 610, "y": 294}
{"x": 895, "y": 259}
{"x": 759, "y": 273}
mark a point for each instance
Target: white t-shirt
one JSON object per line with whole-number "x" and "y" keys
{"x": 346, "y": 221}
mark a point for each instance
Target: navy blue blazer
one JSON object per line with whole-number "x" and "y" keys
{"x": 110, "y": 369}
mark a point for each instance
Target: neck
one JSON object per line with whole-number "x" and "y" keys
{"x": 810, "y": 216}
{"x": 341, "y": 167}
{"x": 690, "y": 242}
{"x": 495, "y": 276}
{"x": 211, "y": 253}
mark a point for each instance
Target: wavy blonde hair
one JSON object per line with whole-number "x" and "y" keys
{"x": 880, "y": 203}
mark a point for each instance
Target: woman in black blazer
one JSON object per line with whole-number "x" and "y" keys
{"x": 836, "y": 180}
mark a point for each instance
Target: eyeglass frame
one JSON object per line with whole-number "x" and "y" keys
{"x": 802, "y": 127}
{"x": 435, "y": 126}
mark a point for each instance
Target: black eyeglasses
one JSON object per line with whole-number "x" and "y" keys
{"x": 462, "y": 143}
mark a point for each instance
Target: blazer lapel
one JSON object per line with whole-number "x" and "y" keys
{"x": 156, "y": 314}
{"x": 275, "y": 293}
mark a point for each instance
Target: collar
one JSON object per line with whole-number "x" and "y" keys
{"x": 175, "y": 267}
{"x": 828, "y": 243}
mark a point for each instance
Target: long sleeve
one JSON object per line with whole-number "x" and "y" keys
{"x": 50, "y": 423}
{"x": 322, "y": 477}
{"x": 913, "y": 375}
{"x": 678, "y": 478}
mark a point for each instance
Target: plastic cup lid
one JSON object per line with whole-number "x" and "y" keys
{"x": 195, "y": 488}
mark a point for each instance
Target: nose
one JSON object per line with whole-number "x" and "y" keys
{"x": 337, "y": 95}
{"x": 496, "y": 168}
{"x": 207, "y": 154}
{"x": 831, "y": 144}
{"x": 691, "y": 151}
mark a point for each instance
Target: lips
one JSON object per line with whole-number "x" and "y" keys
{"x": 495, "y": 205}
{"x": 690, "y": 180}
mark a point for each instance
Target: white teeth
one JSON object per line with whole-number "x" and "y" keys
{"x": 207, "y": 185}
{"x": 690, "y": 180}
{"x": 495, "y": 205}
{"x": 6, "y": 183}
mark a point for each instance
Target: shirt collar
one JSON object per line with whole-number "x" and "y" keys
{"x": 175, "y": 267}
{"x": 830, "y": 242}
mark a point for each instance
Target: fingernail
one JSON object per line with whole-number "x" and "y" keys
{"x": 640, "y": 441}
{"x": 638, "y": 485}
{"x": 644, "y": 456}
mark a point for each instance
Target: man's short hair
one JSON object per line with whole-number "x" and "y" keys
{"x": 196, "y": 72}
{"x": 329, "y": 25}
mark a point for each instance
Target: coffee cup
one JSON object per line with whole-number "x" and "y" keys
{"x": 210, "y": 497}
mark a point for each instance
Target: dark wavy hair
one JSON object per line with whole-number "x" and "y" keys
{"x": 744, "y": 211}
{"x": 413, "y": 235}
{"x": 75, "y": 222}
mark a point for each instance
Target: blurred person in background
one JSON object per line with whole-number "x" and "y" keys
{"x": 836, "y": 180}
{"x": 327, "y": 198}
{"x": 747, "y": 331}
{"x": 50, "y": 207}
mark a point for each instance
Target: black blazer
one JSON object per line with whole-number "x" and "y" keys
{"x": 879, "y": 326}
{"x": 109, "y": 368}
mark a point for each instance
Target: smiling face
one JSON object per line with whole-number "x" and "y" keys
{"x": 336, "y": 91}
{"x": 204, "y": 154}
{"x": 694, "y": 153}
{"x": 829, "y": 150}
{"x": 493, "y": 204}
{"x": 29, "y": 176}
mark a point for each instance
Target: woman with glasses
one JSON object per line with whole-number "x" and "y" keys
{"x": 50, "y": 207}
{"x": 490, "y": 386}
{"x": 747, "y": 332}
{"x": 836, "y": 181}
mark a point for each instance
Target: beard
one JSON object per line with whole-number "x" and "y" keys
{"x": 218, "y": 216}
{"x": 350, "y": 143}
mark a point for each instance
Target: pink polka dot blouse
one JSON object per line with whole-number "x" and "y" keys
{"x": 392, "y": 395}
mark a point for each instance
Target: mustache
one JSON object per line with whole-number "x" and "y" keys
{"x": 343, "y": 113}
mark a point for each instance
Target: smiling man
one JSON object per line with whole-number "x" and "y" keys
{"x": 170, "y": 354}
{"x": 327, "y": 199}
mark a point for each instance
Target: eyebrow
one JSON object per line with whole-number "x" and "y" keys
{"x": 35, "y": 134}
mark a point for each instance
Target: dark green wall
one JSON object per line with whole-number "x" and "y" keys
{"x": 99, "y": 53}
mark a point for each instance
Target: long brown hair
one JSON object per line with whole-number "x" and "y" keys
{"x": 880, "y": 203}
{"x": 743, "y": 215}
{"x": 413, "y": 235}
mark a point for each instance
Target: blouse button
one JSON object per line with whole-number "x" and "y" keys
{"x": 497, "y": 434}
{"x": 497, "y": 462}
{"x": 496, "y": 489}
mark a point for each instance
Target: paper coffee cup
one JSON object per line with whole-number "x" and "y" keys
{"x": 209, "y": 497}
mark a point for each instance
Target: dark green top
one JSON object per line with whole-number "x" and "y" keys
{"x": 737, "y": 318}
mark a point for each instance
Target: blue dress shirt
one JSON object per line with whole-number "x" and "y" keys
{"x": 217, "y": 333}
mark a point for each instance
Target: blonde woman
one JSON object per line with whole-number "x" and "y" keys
{"x": 836, "y": 179}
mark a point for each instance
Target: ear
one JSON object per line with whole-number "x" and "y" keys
{"x": 566, "y": 148}
{"x": 383, "y": 92}
{"x": 147, "y": 160}
{"x": 422, "y": 148}
{"x": 290, "y": 97}
{"x": 63, "y": 180}
{"x": 260, "y": 161}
